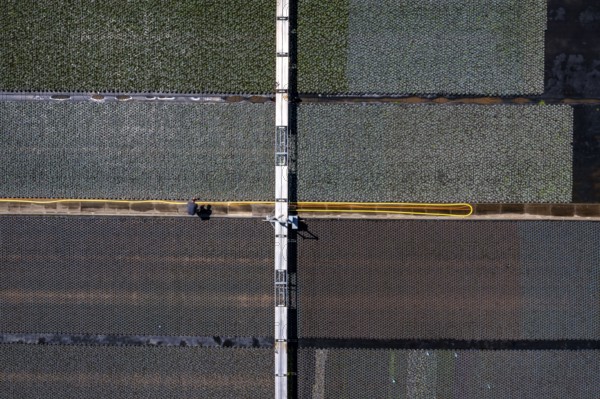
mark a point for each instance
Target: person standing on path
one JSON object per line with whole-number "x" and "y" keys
{"x": 192, "y": 207}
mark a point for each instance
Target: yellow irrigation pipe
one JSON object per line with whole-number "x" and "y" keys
{"x": 53, "y": 201}
{"x": 389, "y": 208}
{"x": 388, "y": 203}
{"x": 387, "y": 212}
{"x": 356, "y": 207}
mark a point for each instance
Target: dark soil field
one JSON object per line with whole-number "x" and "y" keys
{"x": 84, "y": 372}
{"x": 135, "y": 276}
{"x": 437, "y": 280}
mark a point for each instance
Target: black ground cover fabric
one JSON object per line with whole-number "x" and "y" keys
{"x": 462, "y": 280}
{"x": 104, "y": 372}
{"x": 136, "y": 276}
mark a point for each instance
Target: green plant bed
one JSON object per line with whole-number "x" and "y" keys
{"x": 138, "y": 46}
{"x": 218, "y": 152}
{"x": 488, "y": 47}
{"x": 435, "y": 153}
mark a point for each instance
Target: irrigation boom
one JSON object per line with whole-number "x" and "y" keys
{"x": 280, "y": 219}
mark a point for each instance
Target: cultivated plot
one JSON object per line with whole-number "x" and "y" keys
{"x": 357, "y": 374}
{"x": 449, "y": 280}
{"x": 218, "y": 152}
{"x": 81, "y": 372}
{"x": 136, "y": 276}
{"x": 486, "y": 47}
{"x": 138, "y": 46}
{"x": 435, "y": 153}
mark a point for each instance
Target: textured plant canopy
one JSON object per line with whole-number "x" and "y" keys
{"x": 489, "y": 47}
{"x": 435, "y": 153}
{"x": 188, "y": 46}
{"x": 136, "y": 150}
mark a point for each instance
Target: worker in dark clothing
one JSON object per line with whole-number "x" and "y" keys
{"x": 192, "y": 208}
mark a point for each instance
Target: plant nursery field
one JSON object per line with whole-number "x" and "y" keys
{"x": 488, "y": 47}
{"x": 466, "y": 374}
{"x": 391, "y": 152}
{"x": 91, "y": 372}
{"x": 137, "y": 46}
{"x": 435, "y": 153}
{"x": 219, "y": 152}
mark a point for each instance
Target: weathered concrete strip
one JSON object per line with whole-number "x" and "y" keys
{"x": 304, "y": 209}
{"x": 130, "y": 208}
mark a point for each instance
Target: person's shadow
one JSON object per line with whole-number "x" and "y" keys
{"x": 304, "y": 232}
{"x": 204, "y": 212}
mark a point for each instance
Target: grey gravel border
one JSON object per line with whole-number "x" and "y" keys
{"x": 135, "y": 340}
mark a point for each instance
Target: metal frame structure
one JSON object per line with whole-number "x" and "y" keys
{"x": 280, "y": 218}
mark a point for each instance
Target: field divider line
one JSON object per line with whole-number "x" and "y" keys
{"x": 408, "y": 208}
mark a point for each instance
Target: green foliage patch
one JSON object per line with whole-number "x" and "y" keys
{"x": 139, "y": 150}
{"x": 488, "y": 47}
{"x": 189, "y": 46}
{"x": 435, "y": 153}
{"x": 322, "y": 46}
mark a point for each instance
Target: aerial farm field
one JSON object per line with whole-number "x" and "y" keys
{"x": 434, "y": 153}
{"x": 140, "y": 150}
{"x": 223, "y": 151}
{"x": 485, "y": 47}
{"x": 422, "y": 373}
{"x": 489, "y": 105}
{"x": 136, "y": 276}
{"x": 84, "y": 372}
{"x": 137, "y": 46}
{"x": 454, "y": 280}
